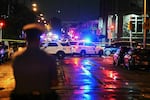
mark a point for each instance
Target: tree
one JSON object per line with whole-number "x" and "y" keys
{"x": 20, "y": 16}
{"x": 3, "y": 7}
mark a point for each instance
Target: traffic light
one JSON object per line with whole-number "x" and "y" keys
{"x": 2, "y": 23}
{"x": 130, "y": 25}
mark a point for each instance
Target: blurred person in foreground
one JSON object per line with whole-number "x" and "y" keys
{"x": 35, "y": 71}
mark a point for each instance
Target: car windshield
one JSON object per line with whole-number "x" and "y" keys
{"x": 73, "y": 43}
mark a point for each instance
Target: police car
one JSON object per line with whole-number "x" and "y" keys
{"x": 3, "y": 52}
{"x": 83, "y": 48}
{"x": 60, "y": 49}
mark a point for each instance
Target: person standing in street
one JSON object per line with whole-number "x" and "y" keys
{"x": 35, "y": 71}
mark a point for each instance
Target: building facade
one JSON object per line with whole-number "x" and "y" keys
{"x": 116, "y": 15}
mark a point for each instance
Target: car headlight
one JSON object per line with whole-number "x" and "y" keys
{"x": 2, "y": 51}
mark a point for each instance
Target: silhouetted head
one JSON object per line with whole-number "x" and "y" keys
{"x": 33, "y": 31}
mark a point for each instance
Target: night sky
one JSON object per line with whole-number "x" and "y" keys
{"x": 70, "y": 10}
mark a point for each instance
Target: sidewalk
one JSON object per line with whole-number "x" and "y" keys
{"x": 6, "y": 81}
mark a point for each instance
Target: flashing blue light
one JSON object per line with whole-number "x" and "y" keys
{"x": 87, "y": 40}
{"x": 56, "y": 37}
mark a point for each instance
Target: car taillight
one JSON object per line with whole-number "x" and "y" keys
{"x": 2, "y": 51}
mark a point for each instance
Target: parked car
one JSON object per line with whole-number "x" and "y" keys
{"x": 118, "y": 57}
{"x": 83, "y": 48}
{"x": 137, "y": 58}
{"x": 15, "y": 48}
{"x": 112, "y": 48}
{"x": 3, "y": 53}
{"x": 60, "y": 49}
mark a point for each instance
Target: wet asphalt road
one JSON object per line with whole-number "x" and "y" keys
{"x": 90, "y": 78}
{"x": 94, "y": 78}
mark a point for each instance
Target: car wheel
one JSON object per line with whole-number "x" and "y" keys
{"x": 100, "y": 53}
{"x": 82, "y": 53}
{"x": 60, "y": 55}
{"x": 107, "y": 53}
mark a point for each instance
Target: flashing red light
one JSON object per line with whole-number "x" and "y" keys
{"x": 71, "y": 31}
{"x": 76, "y": 37}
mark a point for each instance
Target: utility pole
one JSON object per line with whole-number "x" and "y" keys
{"x": 144, "y": 39}
{"x": 130, "y": 29}
{"x": 8, "y": 8}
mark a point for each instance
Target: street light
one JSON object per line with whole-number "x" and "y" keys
{"x": 41, "y": 14}
{"x": 34, "y": 7}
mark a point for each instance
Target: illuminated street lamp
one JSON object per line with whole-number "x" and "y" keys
{"x": 42, "y": 18}
{"x": 41, "y": 15}
{"x": 34, "y": 7}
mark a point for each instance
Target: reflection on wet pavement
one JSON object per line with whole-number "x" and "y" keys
{"x": 89, "y": 80}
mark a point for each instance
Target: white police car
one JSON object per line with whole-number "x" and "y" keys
{"x": 60, "y": 49}
{"x": 83, "y": 48}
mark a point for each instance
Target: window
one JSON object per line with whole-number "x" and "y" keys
{"x": 81, "y": 43}
{"x": 89, "y": 44}
{"x": 73, "y": 43}
{"x": 137, "y": 24}
{"x": 133, "y": 26}
{"x": 52, "y": 44}
{"x": 65, "y": 44}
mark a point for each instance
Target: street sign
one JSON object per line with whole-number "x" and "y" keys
{"x": 147, "y": 24}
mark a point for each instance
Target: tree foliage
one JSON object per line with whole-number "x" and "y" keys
{"x": 3, "y": 7}
{"x": 19, "y": 16}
